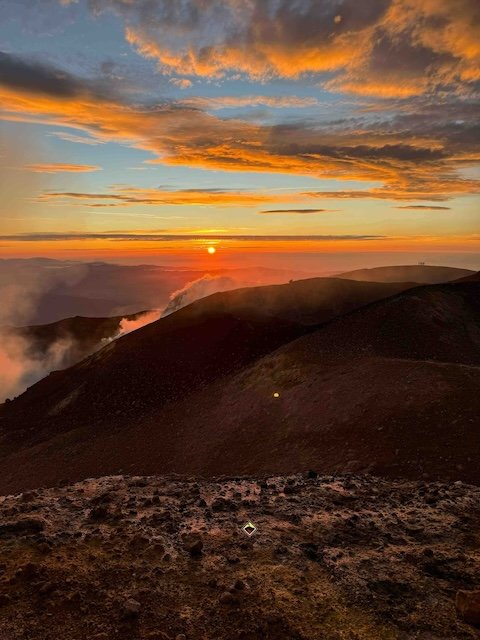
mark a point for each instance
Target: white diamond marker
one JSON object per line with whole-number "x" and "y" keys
{"x": 249, "y": 528}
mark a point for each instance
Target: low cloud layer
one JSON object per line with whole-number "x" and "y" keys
{"x": 295, "y": 211}
{"x": 61, "y": 167}
{"x": 423, "y": 207}
{"x": 133, "y": 196}
{"x": 136, "y": 236}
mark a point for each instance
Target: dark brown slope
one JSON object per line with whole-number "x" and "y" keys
{"x": 475, "y": 277}
{"x": 392, "y": 388}
{"x": 423, "y": 274}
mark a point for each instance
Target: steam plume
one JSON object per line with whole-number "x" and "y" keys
{"x": 200, "y": 288}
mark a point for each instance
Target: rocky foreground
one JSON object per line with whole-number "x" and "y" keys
{"x": 161, "y": 558}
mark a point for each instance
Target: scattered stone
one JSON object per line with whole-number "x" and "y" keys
{"x": 5, "y": 600}
{"x": 222, "y": 504}
{"x": 239, "y": 585}
{"x": 227, "y": 598}
{"x": 24, "y": 526}
{"x": 131, "y": 608}
{"x": 28, "y": 571}
{"x": 99, "y": 514}
{"x": 28, "y": 496}
{"x": 47, "y": 588}
{"x": 311, "y": 550}
{"x": 467, "y": 604}
{"x": 389, "y": 550}
{"x": 194, "y": 547}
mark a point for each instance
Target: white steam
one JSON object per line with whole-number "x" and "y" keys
{"x": 127, "y": 325}
{"x": 19, "y": 368}
{"x": 204, "y": 286}
{"x": 21, "y": 365}
{"x": 21, "y": 289}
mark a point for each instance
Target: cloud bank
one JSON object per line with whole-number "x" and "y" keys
{"x": 387, "y": 47}
{"x": 413, "y": 151}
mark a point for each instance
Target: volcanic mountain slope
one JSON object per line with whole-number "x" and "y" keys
{"x": 392, "y": 388}
{"x": 159, "y": 558}
{"x": 220, "y": 333}
{"x": 423, "y": 274}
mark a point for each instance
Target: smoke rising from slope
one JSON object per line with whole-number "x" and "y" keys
{"x": 21, "y": 290}
{"x": 127, "y": 325}
{"x": 200, "y": 288}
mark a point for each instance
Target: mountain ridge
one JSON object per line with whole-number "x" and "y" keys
{"x": 375, "y": 390}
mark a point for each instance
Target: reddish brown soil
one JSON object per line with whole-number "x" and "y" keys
{"x": 334, "y": 558}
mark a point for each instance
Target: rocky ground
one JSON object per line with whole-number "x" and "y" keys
{"x": 343, "y": 557}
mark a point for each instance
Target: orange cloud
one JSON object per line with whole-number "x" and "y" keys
{"x": 415, "y": 156}
{"x": 296, "y": 211}
{"x": 225, "y": 102}
{"x": 386, "y": 48}
{"x": 128, "y": 196}
{"x": 424, "y": 207}
{"x": 60, "y": 167}
{"x": 181, "y": 83}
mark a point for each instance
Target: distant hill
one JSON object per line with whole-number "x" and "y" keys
{"x": 58, "y": 289}
{"x": 392, "y": 388}
{"x": 83, "y": 334}
{"x": 423, "y": 274}
{"x": 53, "y": 308}
{"x": 475, "y": 277}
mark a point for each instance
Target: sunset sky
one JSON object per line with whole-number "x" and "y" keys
{"x": 148, "y": 130}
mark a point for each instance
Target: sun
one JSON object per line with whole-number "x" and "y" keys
{"x": 211, "y": 250}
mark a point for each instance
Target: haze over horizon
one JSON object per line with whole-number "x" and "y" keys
{"x": 315, "y": 136}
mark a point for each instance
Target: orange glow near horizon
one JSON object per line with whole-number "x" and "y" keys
{"x": 193, "y": 251}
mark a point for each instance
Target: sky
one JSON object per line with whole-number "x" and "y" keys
{"x": 303, "y": 132}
